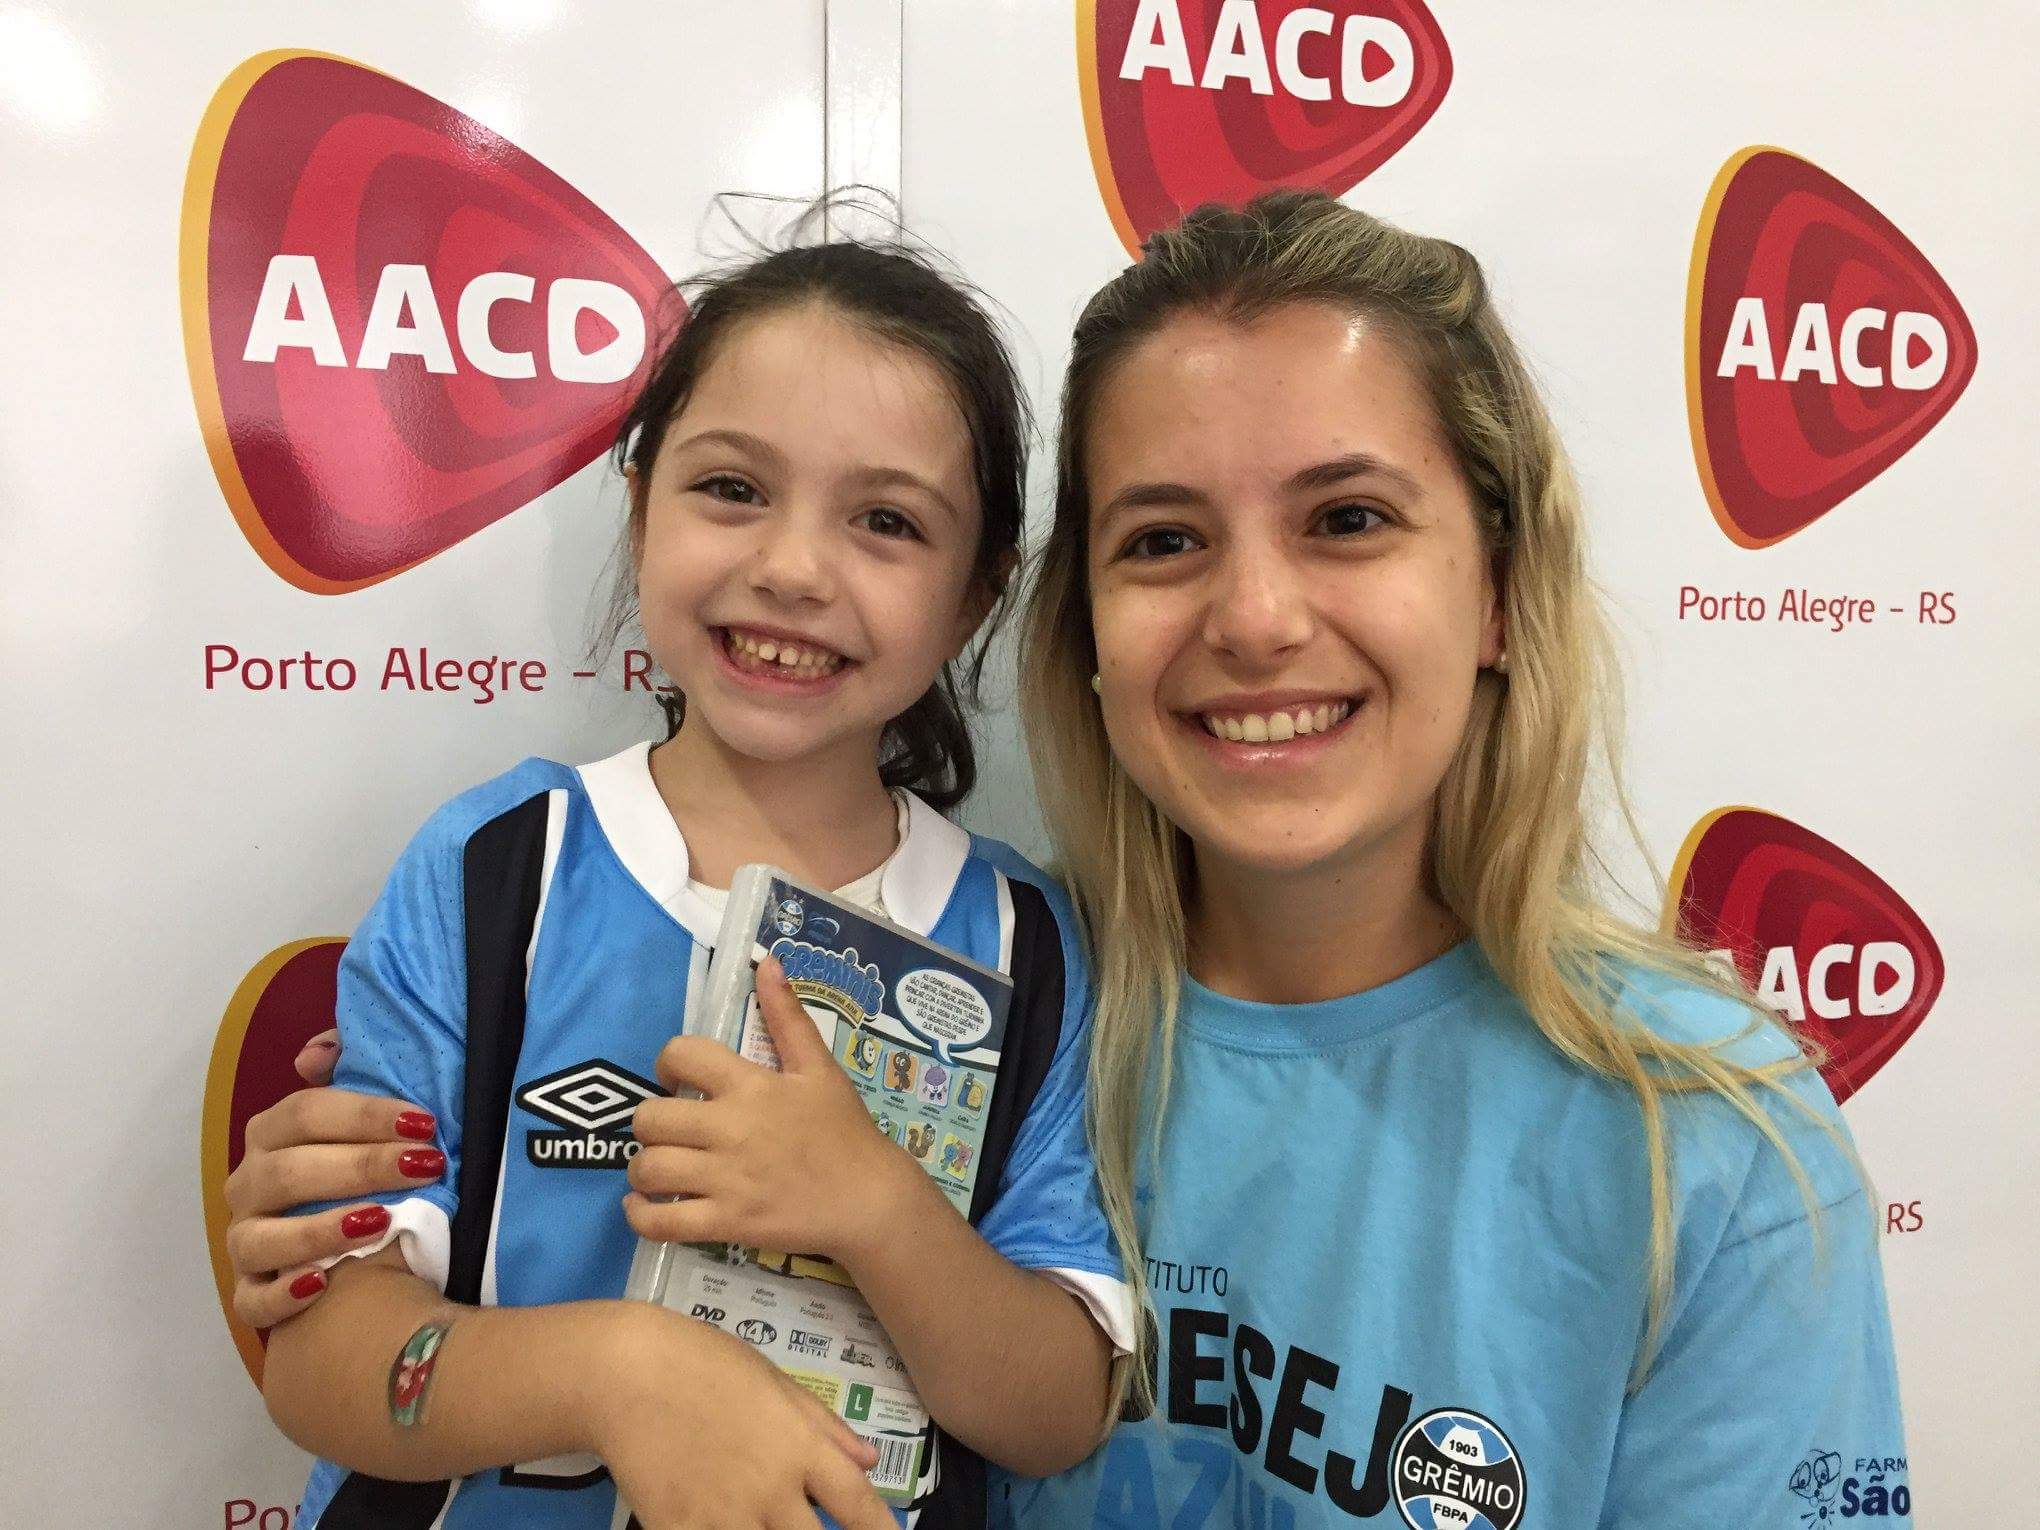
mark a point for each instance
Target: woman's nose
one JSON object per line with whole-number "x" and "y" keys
{"x": 1260, "y": 607}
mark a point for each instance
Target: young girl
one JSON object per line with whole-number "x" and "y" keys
{"x": 825, "y": 475}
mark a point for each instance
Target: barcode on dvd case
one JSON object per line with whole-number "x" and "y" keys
{"x": 897, "y": 1463}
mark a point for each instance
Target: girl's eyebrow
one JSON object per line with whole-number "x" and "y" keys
{"x": 774, "y": 458}
{"x": 895, "y": 478}
{"x": 742, "y": 440}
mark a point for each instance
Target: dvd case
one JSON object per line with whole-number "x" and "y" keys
{"x": 919, "y": 1030}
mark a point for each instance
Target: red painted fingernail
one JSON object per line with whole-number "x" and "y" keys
{"x": 416, "y": 1125}
{"x": 311, "y": 1283}
{"x": 421, "y": 1163}
{"x": 367, "y": 1220}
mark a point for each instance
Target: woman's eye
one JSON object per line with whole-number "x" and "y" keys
{"x": 1160, "y": 542}
{"x": 1351, "y": 520}
{"x": 729, "y": 488}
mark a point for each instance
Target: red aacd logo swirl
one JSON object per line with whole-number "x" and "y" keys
{"x": 1820, "y": 345}
{"x": 400, "y": 327}
{"x": 1821, "y": 937}
{"x": 284, "y": 1001}
{"x": 1190, "y": 101}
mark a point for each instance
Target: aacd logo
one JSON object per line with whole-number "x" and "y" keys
{"x": 1190, "y": 101}
{"x": 400, "y": 327}
{"x": 1820, "y": 345}
{"x": 1819, "y": 936}
{"x": 284, "y": 1001}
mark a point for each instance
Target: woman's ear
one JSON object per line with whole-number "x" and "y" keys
{"x": 1494, "y": 632}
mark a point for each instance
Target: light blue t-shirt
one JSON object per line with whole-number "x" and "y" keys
{"x": 1398, "y": 1245}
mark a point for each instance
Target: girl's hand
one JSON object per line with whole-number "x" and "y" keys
{"x": 316, "y": 1145}
{"x": 788, "y": 1160}
{"x": 700, "y": 1430}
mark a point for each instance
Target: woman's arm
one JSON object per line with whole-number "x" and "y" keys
{"x": 685, "y": 1417}
{"x": 319, "y": 1144}
{"x": 792, "y": 1160}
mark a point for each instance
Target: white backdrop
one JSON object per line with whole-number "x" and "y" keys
{"x": 177, "y": 835}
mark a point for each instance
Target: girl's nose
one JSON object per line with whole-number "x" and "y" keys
{"x": 1260, "y": 608}
{"x": 790, "y": 564}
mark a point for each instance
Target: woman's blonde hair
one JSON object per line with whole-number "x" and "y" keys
{"x": 1511, "y": 856}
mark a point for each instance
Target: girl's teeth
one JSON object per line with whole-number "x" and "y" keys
{"x": 787, "y": 656}
{"x": 1234, "y": 730}
{"x": 1303, "y": 722}
{"x": 1281, "y": 728}
{"x": 1254, "y": 729}
{"x": 1323, "y": 718}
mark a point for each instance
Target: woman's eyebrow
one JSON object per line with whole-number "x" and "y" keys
{"x": 1152, "y": 496}
{"x": 1162, "y": 495}
{"x": 1326, "y": 475}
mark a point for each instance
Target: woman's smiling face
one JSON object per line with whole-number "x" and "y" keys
{"x": 1289, "y": 590}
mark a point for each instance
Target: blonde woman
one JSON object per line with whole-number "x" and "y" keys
{"x": 1460, "y": 1201}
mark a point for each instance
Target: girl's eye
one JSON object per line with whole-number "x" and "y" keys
{"x": 729, "y": 488}
{"x": 889, "y": 524}
{"x": 1159, "y": 542}
{"x": 1351, "y": 520}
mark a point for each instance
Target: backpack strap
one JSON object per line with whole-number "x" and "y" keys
{"x": 1033, "y": 1033}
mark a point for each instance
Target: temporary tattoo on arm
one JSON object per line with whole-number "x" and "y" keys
{"x": 412, "y": 1374}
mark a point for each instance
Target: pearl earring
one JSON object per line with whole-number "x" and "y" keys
{"x": 1097, "y": 685}
{"x": 1502, "y": 662}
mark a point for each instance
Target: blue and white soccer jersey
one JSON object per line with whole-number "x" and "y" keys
{"x": 1398, "y": 1247}
{"x": 530, "y": 956}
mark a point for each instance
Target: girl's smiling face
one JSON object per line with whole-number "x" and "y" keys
{"x": 809, "y": 534}
{"x": 1289, "y": 592}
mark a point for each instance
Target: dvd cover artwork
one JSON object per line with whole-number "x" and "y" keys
{"x": 919, "y": 1030}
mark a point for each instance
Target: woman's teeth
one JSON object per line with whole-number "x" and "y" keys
{"x": 796, "y": 657}
{"x": 1276, "y": 727}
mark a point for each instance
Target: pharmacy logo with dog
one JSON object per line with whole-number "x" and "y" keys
{"x": 399, "y": 326}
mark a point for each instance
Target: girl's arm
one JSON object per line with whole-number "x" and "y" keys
{"x": 683, "y": 1416}
{"x": 1004, "y": 1359}
{"x": 1008, "y": 1361}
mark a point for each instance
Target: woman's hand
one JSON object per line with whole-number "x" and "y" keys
{"x": 700, "y": 1430}
{"x": 317, "y": 1145}
{"x": 787, "y": 1160}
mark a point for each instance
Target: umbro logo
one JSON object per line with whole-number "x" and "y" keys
{"x": 594, "y": 1101}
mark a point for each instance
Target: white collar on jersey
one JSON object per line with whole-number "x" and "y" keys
{"x": 915, "y": 887}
